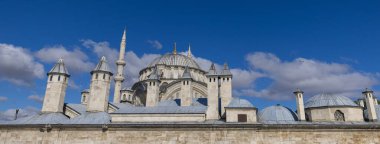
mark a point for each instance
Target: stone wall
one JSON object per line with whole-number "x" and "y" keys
{"x": 259, "y": 134}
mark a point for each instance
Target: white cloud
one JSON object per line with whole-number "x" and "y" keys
{"x": 134, "y": 63}
{"x": 76, "y": 61}
{"x": 73, "y": 85}
{"x": 155, "y": 44}
{"x": 36, "y": 98}
{"x": 10, "y": 113}
{"x": 2, "y": 98}
{"x": 18, "y": 66}
{"x": 312, "y": 76}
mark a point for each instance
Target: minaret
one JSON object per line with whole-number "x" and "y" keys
{"x": 186, "y": 88}
{"x": 212, "y": 94}
{"x": 153, "y": 88}
{"x": 189, "y": 54}
{"x": 368, "y": 96}
{"x": 55, "y": 92}
{"x": 225, "y": 88}
{"x": 99, "y": 87}
{"x": 175, "y": 48}
{"x": 300, "y": 106}
{"x": 120, "y": 63}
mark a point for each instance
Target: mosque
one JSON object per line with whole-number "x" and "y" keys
{"x": 173, "y": 88}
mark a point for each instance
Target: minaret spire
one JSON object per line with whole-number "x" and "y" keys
{"x": 175, "y": 48}
{"x": 189, "y": 54}
{"x": 120, "y": 63}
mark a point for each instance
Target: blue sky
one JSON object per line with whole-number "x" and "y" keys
{"x": 319, "y": 46}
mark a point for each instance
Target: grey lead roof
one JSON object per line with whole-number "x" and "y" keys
{"x": 91, "y": 118}
{"x": 163, "y": 110}
{"x": 240, "y": 103}
{"x": 42, "y": 118}
{"x": 326, "y": 99}
{"x": 186, "y": 74}
{"x": 276, "y": 113}
{"x": 226, "y": 70}
{"x": 212, "y": 71}
{"x": 154, "y": 75}
{"x": 80, "y": 108}
{"x": 59, "y": 68}
{"x": 174, "y": 60}
{"x": 102, "y": 66}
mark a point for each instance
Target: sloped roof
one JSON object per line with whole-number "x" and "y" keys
{"x": 174, "y": 60}
{"x": 277, "y": 113}
{"x": 59, "y": 68}
{"x": 92, "y": 118}
{"x": 226, "y": 70}
{"x": 102, "y": 66}
{"x": 326, "y": 99}
{"x": 42, "y": 118}
{"x": 186, "y": 74}
{"x": 212, "y": 71}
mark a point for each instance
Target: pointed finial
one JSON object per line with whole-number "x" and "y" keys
{"x": 60, "y": 60}
{"x": 124, "y": 34}
{"x": 103, "y": 58}
{"x": 175, "y": 48}
{"x": 189, "y": 52}
{"x": 212, "y": 66}
{"x": 226, "y": 66}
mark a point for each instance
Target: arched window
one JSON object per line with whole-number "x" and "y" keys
{"x": 124, "y": 97}
{"x": 84, "y": 99}
{"x": 104, "y": 76}
{"x": 51, "y": 77}
{"x": 339, "y": 116}
{"x": 59, "y": 78}
{"x": 96, "y": 76}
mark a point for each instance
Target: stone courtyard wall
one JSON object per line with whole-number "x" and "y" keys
{"x": 197, "y": 134}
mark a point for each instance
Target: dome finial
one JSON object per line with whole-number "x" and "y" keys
{"x": 189, "y": 54}
{"x": 175, "y": 48}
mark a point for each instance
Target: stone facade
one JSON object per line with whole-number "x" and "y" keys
{"x": 170, "y": 134}
{"x": 327, "y": 113}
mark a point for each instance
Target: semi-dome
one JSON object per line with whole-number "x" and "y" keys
{"x": 175, "y": 60}
{"x": 277, "y": 113}
{"x": 326, "y": 99}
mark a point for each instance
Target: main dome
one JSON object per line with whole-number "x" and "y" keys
{"x": 175, "y": 60}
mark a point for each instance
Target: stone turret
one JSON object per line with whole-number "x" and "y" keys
{"x": 368, "y": 96}
{"x": 55, "y": 92}
{"x": 300, "y": 105}
{"x": 225, "y": 88}
{"x": 212, "y": 94}
{"x": 186, "y": 88}
{"x": 99, "y": 87}
{"x": 153, "y": 88}
{"x": 85, "y": 94}
{"x": 120, "y": 63}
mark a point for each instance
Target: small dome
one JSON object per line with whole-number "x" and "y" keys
{"x": 175, "y": 60}
{"x": 324, "y": 99}
{"x": 277, "y": 113}
{"x": 240, "y": 103}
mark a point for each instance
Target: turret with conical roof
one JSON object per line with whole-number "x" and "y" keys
{"x": 153, "y": 88}
{"x": 225, "y": 88}
{"x": 186, "y": 88}
{"x": 212, "y": 94}
{"x": 99, "y": 87}
{"x": 55, "y": 92}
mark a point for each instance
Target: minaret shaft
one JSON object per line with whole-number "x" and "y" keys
{"x": 120, "y": 63}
